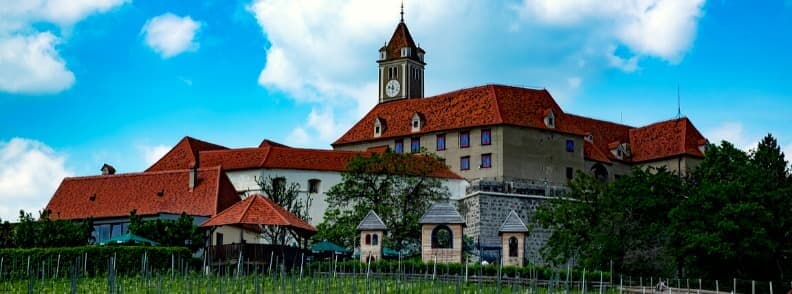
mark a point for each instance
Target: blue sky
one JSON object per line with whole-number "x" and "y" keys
{"x": 120, "y": 81}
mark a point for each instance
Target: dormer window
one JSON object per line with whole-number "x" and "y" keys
{"x": 405, "y": 51}
{"x": 589, "y": 137}
{"x": 382, "y": 55}
{"x": 420, "y": 56}
{"x": 549, "y": 119}
{"x": 416, "y": 122}
{"x": 379, "y": 127}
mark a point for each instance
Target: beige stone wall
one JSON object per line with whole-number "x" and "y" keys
{"x": 539, "y": 154}
{"x": 235, "y": 235}
{"x": 372, "y": 250}
{"x": 453, "y": 153}
{"x": 512, "y": 260}
{"x": 686, "y": 163}
{"x": 442, "y": 255}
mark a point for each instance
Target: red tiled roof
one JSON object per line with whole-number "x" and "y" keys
{"x": 594, "y": 153}
{"x": 149, "y": 193}
{"x": 467, "y": 108}
{"x": 270, "y": 143}
{"x": 183, "y": 155}
{"x": 401, "y": 38}
{"x": 505, "y": 105}
{"x": 665, "y": 139}
{"x": 258, "y": 210}
{"x": 289, "y": 158}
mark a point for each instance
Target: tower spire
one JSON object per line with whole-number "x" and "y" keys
{"x": 402, "y": 11}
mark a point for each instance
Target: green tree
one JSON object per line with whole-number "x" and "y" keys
{"x": 288, "y": 197}
{"x": 399, "y": 187}
{"x": 180, "y": 232}
{"x": 722, "y": 229}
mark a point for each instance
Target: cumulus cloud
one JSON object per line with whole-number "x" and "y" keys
{"x": 151, "y": 154}
{"x": 659, "y": 28}
{"x": 29, "y": 60}
{"x": 30, "y": 172}
{"x": 322, "y": 53}
{"x": 30, "y": 64}
{"x": 170, "y": 35}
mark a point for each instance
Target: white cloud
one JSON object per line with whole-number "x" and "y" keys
{"x": 660, "y": 28}
{"x": 29, "y": 60}
{"x": 735, "y": 133}
{"x": 30, "y": 172}
{"x": 320, "y": 126}
{"x": 322, "y": 53}
{"x": 151, "y": 154}
{"x": 30, "y": 64}
{"x": 170, "y": 35}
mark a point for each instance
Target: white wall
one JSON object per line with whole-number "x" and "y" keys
{"x": 244, "y": 181}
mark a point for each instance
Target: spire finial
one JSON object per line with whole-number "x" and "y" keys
{"x": 402, "y": 11}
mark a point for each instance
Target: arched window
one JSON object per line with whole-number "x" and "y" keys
{"x": 442, "y": 237}
{"x": 375, "y": 240}
{"x": 368, "y": 239}
{"x": 600, "y": 172}
{"x": 513, "y": 246}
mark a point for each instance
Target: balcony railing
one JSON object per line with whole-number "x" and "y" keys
{"x": 256, "y": 254}
{"x": 516, "y": 186}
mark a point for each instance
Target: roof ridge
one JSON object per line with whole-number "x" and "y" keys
{"x": 142, "y": 173}
{"x": 497, "y": 103}
{"x": 270, "y": 202}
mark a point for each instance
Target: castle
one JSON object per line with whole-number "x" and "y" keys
{"x": 515, "y": 146}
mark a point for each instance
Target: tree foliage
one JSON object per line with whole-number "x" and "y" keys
{"x": 44, "y": 232}
{"x": 399, "y": 187}
{"x": 287, "y": 195}
{"x": 730, "y": 217}
{"x": 180, "y": 232}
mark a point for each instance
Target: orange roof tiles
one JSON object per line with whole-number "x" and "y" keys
{"x": 149, "y": 193}
{"x": 274, "y": 157}
{"x": 467, "y": 108}
{"x": 506, "y": 105}
{"x": 665, "y": 139}
{"x": 401, "y": 38}
{"x": 258, "y": 210}
{"x": 183, "y": 155}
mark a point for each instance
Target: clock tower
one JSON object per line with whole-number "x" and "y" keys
{"x": 401, "y": 66}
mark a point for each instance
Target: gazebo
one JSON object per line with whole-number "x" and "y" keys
{"x": 247, "y": 219}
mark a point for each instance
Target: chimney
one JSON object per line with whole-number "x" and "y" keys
{"x": 194, "y": 172}
{"x": 108, "y": 170}
{"x": 193, "y": 176}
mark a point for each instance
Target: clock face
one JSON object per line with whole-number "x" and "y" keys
{"x": 392, "y": 88}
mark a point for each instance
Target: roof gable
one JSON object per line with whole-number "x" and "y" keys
{"x": 513, "y": 224}
{"x": 665, "y": 139}
{"x": 258, "y": 210}
{"x": 442, "y": 213}
{"x": 372, "y": 222}
{"x": 149, "y": 193}
{"x": 183, "y": 155}
{"x": 401, "y": 38}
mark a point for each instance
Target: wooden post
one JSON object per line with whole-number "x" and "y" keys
{"x": 753, "y": 287}
{"x": 584, "y": 280}
{"x": 600, "y": 285}
{"x": 771, "y": 287}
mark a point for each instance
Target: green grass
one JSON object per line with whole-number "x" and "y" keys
{"x": 263, "y": 284}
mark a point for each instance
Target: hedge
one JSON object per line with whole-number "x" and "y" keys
{"x": 417, "y": 266}
{"x": 61, "y": 261}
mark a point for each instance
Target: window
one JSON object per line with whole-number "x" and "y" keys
{"x": 442, "y": 237}
{"x": 486, "y": 137}
{"x": 570, "y": 146}
{"x": 375, "y": 240}
{"x": 513, "y": 244}
{"x": 441, "y": 143}
{"x": 382, "y": 55}
{"x": 313, "y": 186}
{"x": 376, "y": 130}
{"x": 415, "y": 145}
{"x": 464, "y": 139}
{"x": 486, "y": 160}
{"x": 570, "y": 173}
{"x": 368, "y": 239}
{"x": 464, "y": 163}
{"x": 218, "y": 239}
{"x": 399, "y": 146}
{"x": 405, "y": 51}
